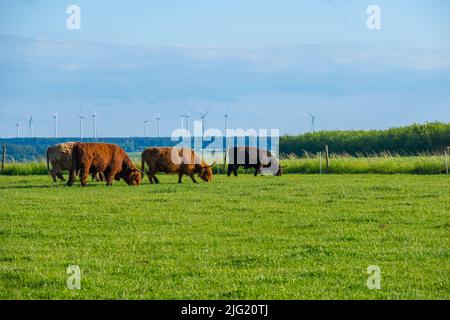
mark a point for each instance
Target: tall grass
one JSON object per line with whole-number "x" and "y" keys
{"x": 413, "y": 139}
{"x": 385, "y": 163}
{"x": 25, "y": 168}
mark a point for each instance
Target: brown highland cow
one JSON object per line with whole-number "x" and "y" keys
{"x": 102, "y": 157}
{"x": 175, "y": 160}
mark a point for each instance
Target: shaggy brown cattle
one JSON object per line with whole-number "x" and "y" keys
{"x": 60, "y": 157}
{"x": 175, "y": 160}
{"x": 252, "y": 157}
{"x": 102, "y": 157}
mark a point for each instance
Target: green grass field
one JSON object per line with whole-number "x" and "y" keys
{"x": 289, "y": 237}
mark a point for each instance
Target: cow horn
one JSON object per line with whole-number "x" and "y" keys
{"x": 212, "y": 164}
{"x": 139, "y": 171}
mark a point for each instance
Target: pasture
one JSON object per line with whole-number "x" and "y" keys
{"x": 289, "y": 237}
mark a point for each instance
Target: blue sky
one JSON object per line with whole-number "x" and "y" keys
{"x": 265, "y": 63}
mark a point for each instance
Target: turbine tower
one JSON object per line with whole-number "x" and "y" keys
{"x": 55, "y": 117}
{"x": 182, "y": 122}
{"x": 30, "y": 126}
{"x": 226, "y": 141}
{"x": 226, "y": 123}
{"x": 17, "y": 129}
{"x": 203, "y": 116}
{"x": 82, "y": 118}
{"x": 157, "y": 119}
{"x": 145, "y": 128}
{"x": 187, "y": 121}
{"x": 94, "y": 125}
{"x": 313, "y": 120}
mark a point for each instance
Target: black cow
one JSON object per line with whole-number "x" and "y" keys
{"x": 251, "y": 157}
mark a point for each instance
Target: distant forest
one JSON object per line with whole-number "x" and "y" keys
{"x": 413, "y": 139}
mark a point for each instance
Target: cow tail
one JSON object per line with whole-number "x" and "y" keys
{"x": 143, "y": 163}
{"x": 48, "y": 161}
{"x": 74, "y": 162}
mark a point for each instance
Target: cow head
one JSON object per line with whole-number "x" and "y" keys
{"x": 206, "y": 172}
{"x": 134, "y": 178}
{"x": 131, "y": 175}
{"x": 275, "y": 168}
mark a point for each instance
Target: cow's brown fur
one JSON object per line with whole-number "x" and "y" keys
{"x": 60, "y": 157}
{"x": 251, "y": 157}
{"x": 160, "y": 160}
{"x": 102, "y": 157}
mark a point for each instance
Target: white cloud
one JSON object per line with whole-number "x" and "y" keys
{"x": 311, "y": 58}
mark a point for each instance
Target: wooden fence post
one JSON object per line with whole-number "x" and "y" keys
{"x": 327, "y": 159}
{"x": 446, "y": 158}
{"x": 225, "y": 155}
{"x": 320, "y": 162}
{"x": 3, "y": 157}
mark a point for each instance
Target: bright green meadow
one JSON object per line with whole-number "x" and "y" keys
{"x": 290, "y": 237}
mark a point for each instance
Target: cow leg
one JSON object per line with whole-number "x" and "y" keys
{"x": 150, "y": 177}
{"x": 230, "y": 169}
{"x": 156, "y": 179}
{"x": 84, "y": 174}
{"x": 257, "y": 170}
{"x": 109, "y": 178}
{"x": 97, "y": 176}
{"x": 72, "y": 176}
{"x": 53, "y": 173}
{"x": 180, "y": 176}
{"x": 193, "y": 178}
{"x": 235, "y": 169}
{"x": 60, "y": 176}
{"x": 110, "y": 175}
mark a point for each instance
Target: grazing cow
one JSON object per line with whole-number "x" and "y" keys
{"x": 175, "y": 160}
{"x": 252, "y": 157}
{"x": 102, "y": 157}
{"x": 60, "y": 157}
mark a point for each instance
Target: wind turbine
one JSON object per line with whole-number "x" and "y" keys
{"x": 182, "y": 122}
{"x": 30, "y": 126}
{"x": 94, "y": 124}
{"x": 187, "y": 121}
{"x": 157, "y": 119}
{"x": 145, "y": 127}
{"x": 55, "y": 117}
{"x": 203, "y": 116}
{"x": 313, "y": 119}
{"x": 17, "y": 129}
{"x": 82, "y": 118}
{"x": 226, "y": 122}
{"x": 226, "y": 141}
